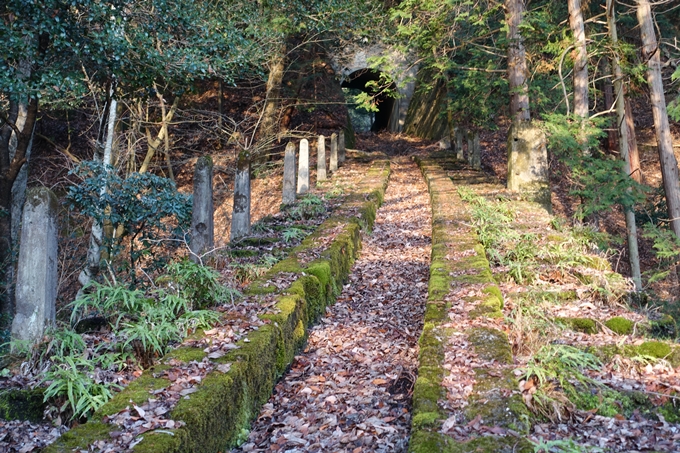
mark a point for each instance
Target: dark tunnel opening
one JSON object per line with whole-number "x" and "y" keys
{"x": 357, "y": 80}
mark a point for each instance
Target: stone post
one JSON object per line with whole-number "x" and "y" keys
{"x": 475, "y": 153}
{"x": 334, "y": 153}
{"x": 342, "y": 151}
{"x": 321, "y": 159}
{"x": 459, "y": 144}
{"x": 289, "y": 174}
{"x": 202, "y": 224}
{"x": 36, "y": 288}
{"x": 240, "y": 218}
{"x": 528, "y": 163}
{"x": 303, "y": 168}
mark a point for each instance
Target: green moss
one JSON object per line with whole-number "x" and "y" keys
{"x": 666, "y": 327}
{"x": 426, "y": 420}
{"x": 490, "y": 344}
{"x": 22, "y": 404}
{"x": 185, "y": 354}
{"x": 655, "y": 349}
{"x": 620, "y": 325}
{"x": 489, "y": 307}
{"x": 138, "y": 392}
{"x": 495, "y": 291}
{"x": 80, "y": 438}
{"x": 585, "y": 325}
{"x": 429, "y": 442}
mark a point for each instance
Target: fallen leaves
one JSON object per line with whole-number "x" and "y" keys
{"x": 350, "y": 390}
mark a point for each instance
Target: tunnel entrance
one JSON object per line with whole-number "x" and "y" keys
{"x": 373, "y": 83}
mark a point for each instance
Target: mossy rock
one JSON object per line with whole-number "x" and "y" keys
{"x": 255, "y": 241}
{"x": 244, "y": 253}
{"x": 584, "y": 325}
{"x": 18, "y": 404}
{"x": 490, "y": 344}
{"x": 666, "y": 327}
{"x": 490, "y": 402}
{"x": 620, "y": 325}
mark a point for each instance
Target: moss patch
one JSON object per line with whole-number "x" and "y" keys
{"x": 585, "y": 325}
{"x": 620, "y": 325}
{"x": 18, "y": 404}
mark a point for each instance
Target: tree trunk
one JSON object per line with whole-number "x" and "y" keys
{"x": 633, "y": 153}
{"x": 669, "y": 164}
{"x": 517, "y": 63}
{"x": 609, "y": 99}
{"x": 622, "y": 127}
{"x": 12, "y": 160}
{"x": 94, "y": 251}
{"x": 153, "y": 144}
{"x": 270, "y": 115}
{"x": 580, "y": 60}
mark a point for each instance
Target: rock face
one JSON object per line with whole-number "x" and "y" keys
{"x": 303, "y": 168}
{"x": 240, "y": 219}
{"x": 334, "y": 153}
{"x": 289, "y": 175}
{"x": 202, "y": 224}
{"x": 528, "y": 163}
{"x": 36, "y": 289}
{"x": 321, "y": 159}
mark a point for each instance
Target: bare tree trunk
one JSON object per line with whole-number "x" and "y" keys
{"x": 633, "y": 153}
{"x": 94, "y": 252}
{"x": 669, "y": 164}
{"x": 270, "y": 116}
{"x": 609, "y": 100}
{"x": 622, "y": 126}
{"x": 153, "y": 144}
{"x": 14, "y": 146}
{"x": 580, "y": 60}
{"x": 517, "y": 62}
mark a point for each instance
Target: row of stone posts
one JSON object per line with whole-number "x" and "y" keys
{"x": 337, "y": 157}
{"x": 37, "y": 277}
{"x": 474, "y": 150}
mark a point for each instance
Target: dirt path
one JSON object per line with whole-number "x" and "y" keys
{"x": 350, "y": 389}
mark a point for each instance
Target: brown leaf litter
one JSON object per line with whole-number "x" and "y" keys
{"x": 350, "y": 390}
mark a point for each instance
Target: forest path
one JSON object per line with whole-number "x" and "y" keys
{"x": 349, "y": 391}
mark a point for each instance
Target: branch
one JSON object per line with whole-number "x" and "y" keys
{"x": 564, "y": 87}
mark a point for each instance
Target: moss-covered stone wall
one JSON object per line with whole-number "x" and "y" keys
{"x": 217, "y": 416}
{"x": 459, "y": 261}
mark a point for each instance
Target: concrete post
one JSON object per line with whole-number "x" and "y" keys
{"x": 240, "y": 218}
{"x": 36, "y": 289}
{"x": 321, "y": 159}
{"x": 334, "y": 153}
{"x": 459, "y": 144}
{"x": 303, "y": 168}
{"x": 476, "y": 153}
{"x": 528, "y": 163}
{"x": 342, "y": 151}
{"x": 202, "y": 224}
{"x": 289, "y": 175}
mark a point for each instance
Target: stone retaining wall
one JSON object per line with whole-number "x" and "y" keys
{"x": 459, "y": 263}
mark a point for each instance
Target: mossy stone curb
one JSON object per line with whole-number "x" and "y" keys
{"x": 18, "y": 404}
{"x": 219, "y": 413}
{"x": 459, "y": 260}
